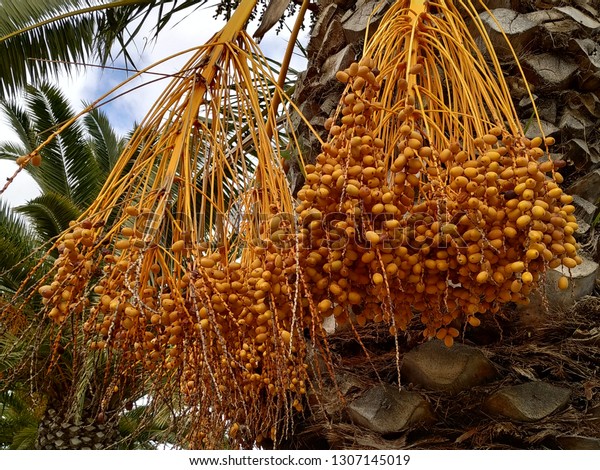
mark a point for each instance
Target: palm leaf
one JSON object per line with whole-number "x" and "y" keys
{"x": 11, "y": 150}
{"x": 143, "y": 426}
{"x": 41, "y": 38}
{"x": 25, "y": 437}
{"x": 50, "y": 214}
{"x": 103, "y": 142}
{"x": 70, "y": 168}
{"x": 64, "y": 40}
{"x": 20, "y": 122}
{"x": 17, "y": 241}
{"x": 18, "y": 420}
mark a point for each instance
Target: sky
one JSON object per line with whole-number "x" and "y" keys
{"x": 89, "y": 84}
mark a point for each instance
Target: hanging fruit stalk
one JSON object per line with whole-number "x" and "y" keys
{"x": 180, "y": 271}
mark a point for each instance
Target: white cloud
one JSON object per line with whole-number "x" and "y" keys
{"x": 89, "y": 84}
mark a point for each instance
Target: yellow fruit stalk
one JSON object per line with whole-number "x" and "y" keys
{"x": 176, "y": 273}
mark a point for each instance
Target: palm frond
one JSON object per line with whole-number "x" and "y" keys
{"x": 104, "y": 142}
{"x": 69, "y": 168}
{"x": 11, "y": 151}
{"x": 25, "y": 437}
{"x": 49, "y": 214}
{"x": 18, "y": 420}
{"x": 144, "y": 426}
{"x": 17, "y": 241}
{"x": 66, "y": 40}
{"x": 14, "y": 229}
{"x": 20, "y": 122}
{"x": 14, "y": 349}
{"x": 41, "y": 38}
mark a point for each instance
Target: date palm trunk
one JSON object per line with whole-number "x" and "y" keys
{"x": 58, "y": 431}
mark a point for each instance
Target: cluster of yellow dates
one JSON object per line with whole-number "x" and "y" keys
{"x": 394, "y": 229}
{"x": 227, "y": 326}
{"x": 383, "y": 233}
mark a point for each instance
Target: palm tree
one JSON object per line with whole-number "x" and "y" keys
{"x": 78, "y": 163}
{"x": 224, "y": 324}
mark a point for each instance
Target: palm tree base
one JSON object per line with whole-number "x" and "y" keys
{"x": 57, "y": 433}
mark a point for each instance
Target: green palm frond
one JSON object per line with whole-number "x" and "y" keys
{"x": 143, "y": 427}
{"x": 17, "y": 242}
{"x": 18, "y": 420}
{"x": 50, "y": 214}
{"x": 45, "y": 108}
{"x": 70, "y": 39}
{"x": 14, "y": 230}
{"x": 11, "y": 150}
{"x": 68, "y": 168}
{"x": 19, "y": 120}
{"x": 41, "y": 38}
{"x": 70, "y": 177}
{"x": 103, "y": 142}
{"x": 25, "y": 437}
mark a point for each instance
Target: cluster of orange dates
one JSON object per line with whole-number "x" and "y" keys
{"x": 394, "y": 229}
